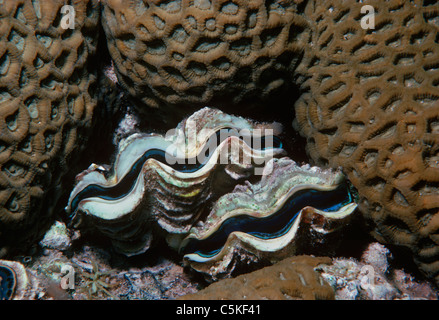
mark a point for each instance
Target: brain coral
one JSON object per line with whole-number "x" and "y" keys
{"x": 192, "y": 53}
{"x": 370, "y": 105}
{"x": 292, "y": 278}
{"x": 46, "y": 104}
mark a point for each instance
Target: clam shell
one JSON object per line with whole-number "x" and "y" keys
{"x": 288, "y": 209}
{"x": 162, "y": 183}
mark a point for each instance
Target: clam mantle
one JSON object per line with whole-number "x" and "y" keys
{"x": 160, "y": 184}
{"x": 291, "y": 207}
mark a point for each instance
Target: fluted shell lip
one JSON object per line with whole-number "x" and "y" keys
{"x": 212, "y": 226}
{"x": 267, "y": 245}
{"x": 131, "y": 151}
{"x": 163, "y": 182}
{"x": 189, "y": 141}
{"x": 269, "y": 219}
{"x": 102, "y": 209}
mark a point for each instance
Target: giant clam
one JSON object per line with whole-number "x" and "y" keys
{"x": 290, "y": 207}
{"x": 7, "y": 283}
{"x": 168, "y": 179}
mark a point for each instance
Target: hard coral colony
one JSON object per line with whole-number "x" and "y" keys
{"x": 219, "y": 192}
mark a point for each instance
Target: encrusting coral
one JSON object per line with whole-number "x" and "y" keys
{"x": 370, "y": 105}
{"x": 375, "y": 276}
{"x": 292, "y": 278}
{"x": 195, "y": 53}
{"x": 47, "y": 98}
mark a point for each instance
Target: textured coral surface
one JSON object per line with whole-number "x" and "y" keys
{"x": 292, "y": 278}
{"x": 371, "y": 106}
{"x": 46, "y": 102}
{"x": 199, "y": 52}
{"x": 375, "y": 276}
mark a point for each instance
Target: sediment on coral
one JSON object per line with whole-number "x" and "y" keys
{"x": 294, "y": 278}
{"x": 177, "y": 56}
{"x": 370, "y": 105}
{"x": 47, "y": 99}
{"x": 161, "y": 184}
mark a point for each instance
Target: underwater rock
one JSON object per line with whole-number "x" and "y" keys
{"x": 370, "y": 279}
{"x": 293, "y": 278}
{"x": 178, "y": 56}
{"x": 353, "y": 280}
{"x": 290, "y": 209}
{"x": 162, "y": 183}
{"x": 57, "y": 237}
{"x": 47, "y": 100}
{"x": 377, "y": 255}
{"x": 370, "y": 105}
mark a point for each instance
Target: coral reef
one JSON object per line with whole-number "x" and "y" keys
{"x": 168, "y": 180}
{"x": 47, "y": 98}
{"x": 369, "y": 95}
{"x": 370, "y": 105}
{"x": 98, "y": 274}
{"x": 374, "y": 278}
{"x": 182, "y": 55}
{"x": 292, "y": 278}
{"x": 292, "y": 209}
